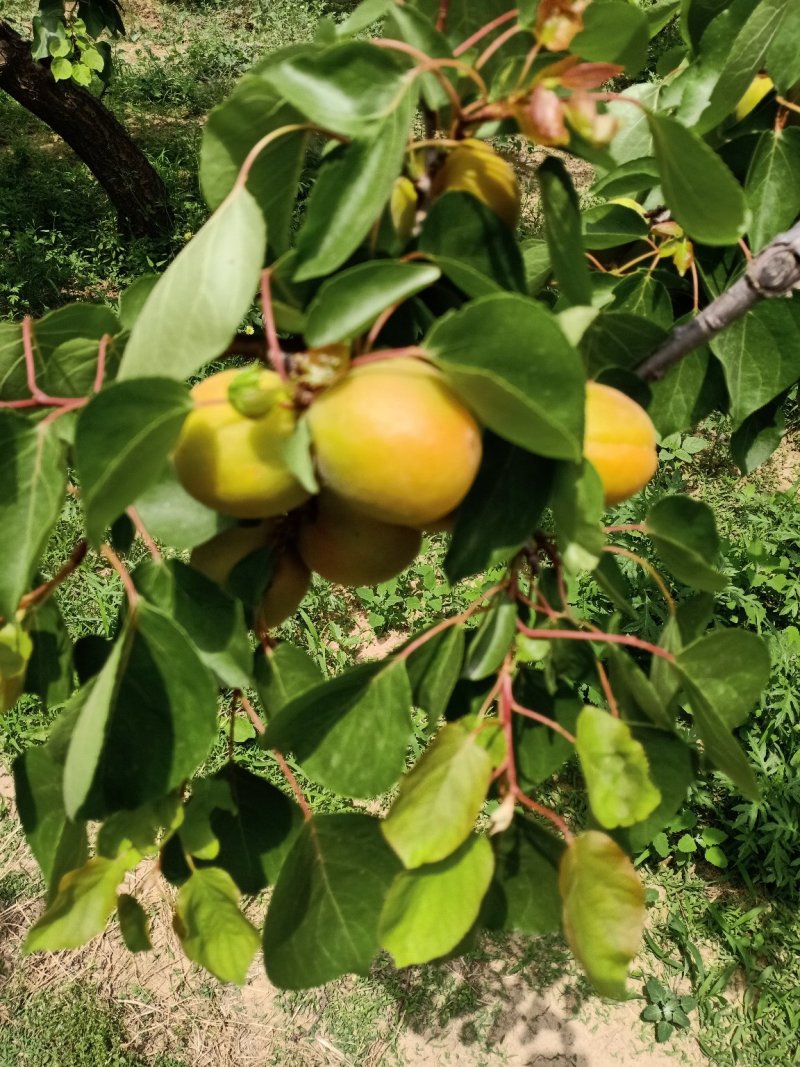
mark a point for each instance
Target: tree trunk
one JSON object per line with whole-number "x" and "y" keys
{"x": 133, "y": 186}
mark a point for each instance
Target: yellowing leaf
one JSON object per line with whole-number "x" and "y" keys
{"x": 615, "y": 767}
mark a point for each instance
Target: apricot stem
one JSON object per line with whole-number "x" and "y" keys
{"x": 475, "y": 608}
{"x": 43, "y": 591}
{"x": 274, "y": 350}
{"x": 108, "y": 553}
{"x": 617, "y": 550}
{"x": 100, "y": 371}
{"x": 144, "y": 533}
{"x": 529, "y": 713}
{"x": 605, "y": 682}
{"x": 496, "y": 44}
{"x": 595, "y": 635}
{"x": 266, "y": 141}
{"x": 501, "y": 20}
{"x": 441, "y": 16}
{"x": 389, "y": 353}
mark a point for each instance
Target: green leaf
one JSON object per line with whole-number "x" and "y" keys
{"x": 139, "y": 828}
{"x": 687, "y": 844}
{"x": 462, "y": 235}
{"x": 578, "y": 504}
{"x": 122, "y": 440}
{"x": 349, "y": 194}
{"x": 430, "y": 909}
{"x": 212, "y": 620}
{"x": 146, "y": 721}
{"x": 508, "y": 359}
{"x": 675, "y": 398}
{"x": 672, "y": 770}
{"x": 33, "y": 478}
{"x": 610, "y": 225}
{"x": 720, "y": 747}
{"x": 619, "y": 339}
{"x": 433, "y": 671}
{"x": 701, "y": 192}
{"x": 524, "y": 892}
{"x": 716, "y": 857}
{"x": 490, "y": 642}
{"x": 362, "y": 17}
{"x": 760, "y": 355}
{"x": 731, "y": 668}
{"x": 58, "y": 844}
{"x": 283, "y": 673}
{"x": 759, "y": 436}
{"x": 684, "y": 534}
{"x": 83, "y": 905}
{"x": 635, "y": 692}
{"x": 651, "y": 1014}
{"x": 603, "y": 910}
{"x": 133, "y": 924}
{"x": 197, "y": 305}
{"x": 171, "y": 515}
{"x": 613, "y": 32}
{"x": 773, "y": 185}
{"x": 61, "y": 69}
{"x": 351, "y": 301}
{"x": 367, "y": 710}
{"x": 335, "y": 880}
{"x": 562, "y": 228}
{"x": 614, "y": 764}
{"x": 345, "y": 88}
{"x": 93, "y": 59}
{"x": 541, "y": 751}
{"x": 49, "y": 673}
{"x": 197, "y": 837}
{"x": 212, "y": 929}
{"x": 663, "y": 1031}
{"x": 440, "y": 798}
{"x": 252, "y": 111}
{"x": 501, "y": 509}
{"x": 628, "y": 179}
{"x": 783, "y": 57}
{"x": 133, "y": 299}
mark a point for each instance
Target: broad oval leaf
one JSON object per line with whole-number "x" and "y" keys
{"x": 122, "y": 441}
{"x": 603, "y": 910}
{"x": 440, "y": 798}
{"x": 508, "y": 358}
{"x": 684, "y": 534}
{"x": 197, "y": 305}
{"x": 731, "y": 669}
{"x": 335, "y": 879}
{"x": 524, "y": 892}
{"x": 616, "y": 770}
{"x": 211, "y": 927}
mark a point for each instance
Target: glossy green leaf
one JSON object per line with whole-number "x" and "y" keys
{"x": 433, "y": 671}
{"x": 541, "y": 751}
{"x": 368, "y": 708}
{"x": 489, "y": 643}
{"x": 760, "y": 355}
{"x": 171, "y": 515}
{"x": 501, "y": 510}
{"x": 508, "y": 359}
{"x": 684, "y": 534}
{"x": 731, "y": 668}
{"x": 33, "y": 479}
{"x": 212, "y": 930}
{"x": 212, "y": 620}
{"x": 783, "y": 57}
{"x": 252, "y": 111}
{"x": 349, "y": 195}
{"x": 133, "y": 924}
{"x": 562, "y": 228}
{"x": 335, "y": 879}
{"x": 348, "y": 303}
{"x": 773, "y": 185}
{"x": 122, "y": 440}
{"x": 603, "y": 910}
{"x": 146, "y": 721}
{"x": 610, "y": 225}
{"x": 283, "y": 673}
{"x": 430, "y": 909}
{"x": 524, "y": 893}
{"x": 345, "y": 88}
{"x": 676, "y": 396}
{"x": 440, "y": 797}
{"x": 628, "y": 179}
{"x": 616, "y": 770}
{"x": 613, "y": 32}
{"x": 82, "y": 906}
{"x": 462, "y": 235}
{"x": 196, "y": 307}
{"x": 702, "y": 194}
{"x": 619, "y": 339}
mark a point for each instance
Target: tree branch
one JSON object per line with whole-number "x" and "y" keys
{"x": 775, "y": 271}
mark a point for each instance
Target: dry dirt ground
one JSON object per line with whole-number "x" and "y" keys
{"x": 172, "y": 1007}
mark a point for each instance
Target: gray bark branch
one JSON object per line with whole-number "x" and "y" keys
{"x": 774, "y": 272}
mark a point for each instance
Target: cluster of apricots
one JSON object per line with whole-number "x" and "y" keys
{"x": 394, "y": 448}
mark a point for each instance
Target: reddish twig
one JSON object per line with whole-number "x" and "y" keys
{"x": 476, "y": 607}
{"x": 274, "y": 351}
{"x": 441, "y": 17}
{"x": 484, "y": 31}
{"x": 390, "y": 353}
{"x": 299, "y": 795}
{"x": 617, "y": 550}
{"x": 42, "y": 592}
{"x": 100, "y": 371}
{"x": 496, "y": 44}
{"x": 144, "y": 533}
{"x": 605, "y": 682}
{"x": 536, "y": 716}
{"x": 596, "y": 635}
{"x": 127, "y": 582}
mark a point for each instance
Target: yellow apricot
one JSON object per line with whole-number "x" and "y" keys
{"x": 290, "y": 579}
{"x": 403, "y": 207}
{"x": 234, "y": 463}
{"x": 285, "y": 591}
{"x": 393, "y": 440}
{"x": 619, "y": 441}
{"x": 474, "y": 167}
{"x": 348, "y": 547}
{"x": 755, "y": 93}
{"x": 16, "y": 647}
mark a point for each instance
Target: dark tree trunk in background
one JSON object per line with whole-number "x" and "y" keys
{"x": 92, "y": 132}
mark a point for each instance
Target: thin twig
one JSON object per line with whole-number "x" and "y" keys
{"x": 605, "y": 682}
{"x": 617, "y": 550}
{"x": 501, "y": 20}
{"x": 42, "y": 592}
{"x": 596, "y": 635}
{"x": 274, "y": 350}
{"x": 144, "y": 533}
{"x": 536, "y": 716}
{"x": 127, "y": 582}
